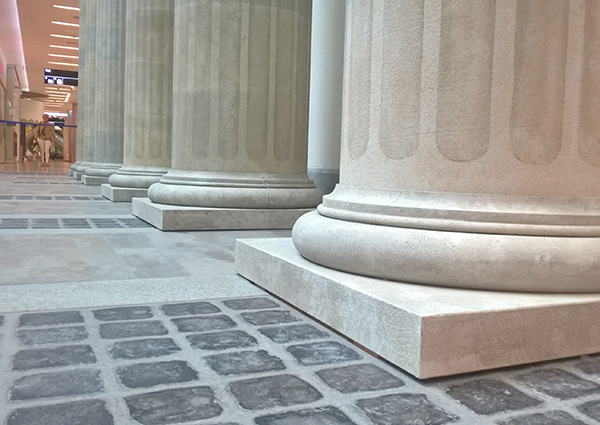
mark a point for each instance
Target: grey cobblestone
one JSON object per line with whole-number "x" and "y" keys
{"x": 269, "y": 317}
{"x": 52, "y": 335}
{"x": 146, "y": 375}
{"x": 591, "y": 409}
{"x": 144, "y": 348}
{"x": 558, "y": 383}
{"x": 51, "y": 319}
{"x": 190, "y": 309}
{"x": 37, "y": 358}
{"x": 244, "y": 362}
{"x": 401, "y": 409}
{"x": 56, "y": 384}
{"x": 550, "y": 418}
{"x": 204, "y": 324}
{"x": 294, "y": 333}
{"x": 362, "y": 377}
{"x": 123, "y": 313}
{"x": 318, "y": 353}
{"x": 251, "y": 304}
{"x": 87, "y": 412}
{"x": 216, "y": 341}
{"x": 132, "y": 329}
{"x": 324, "y": 415}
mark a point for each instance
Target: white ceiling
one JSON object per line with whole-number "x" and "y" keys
{"x": 35, "y": 22}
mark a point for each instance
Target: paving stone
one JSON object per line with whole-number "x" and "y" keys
{"x": 52, "y": 335}
{"x": 174, "y": 406}
{"x": 591, "y": 409}
{"x": 244, "y": 362}
{"x": 400, "y": 409}
{"x": 146, "y": 375}
{"x": 68, "y": 355}
{"x": 548, "y": 418}
{"x": 294, "y": 333}
{"x": 322, "y": 353}
{"x": 122, "y": 313}
{"x": 559, "y": 383}
{"x": 56, "y": 384}
{"x": 132, "y": 329}
{"x": 320, "y": 416}
{"x": 204, "y": 324}
{"x": 87, "y": 412}
{"x": 50, "y": 319}
{"x": 488, "y": 396}
{"x": 363, "y": 377}
{"x": 589, "y": 366}
{"x": 143, "y": 348}
{"x": 190, "y": 309}
{"x": 251, "y": 304}
{"x": 269, "y": 317}
{"x": 221, "y": 340}
{"x": 273, "y": 391}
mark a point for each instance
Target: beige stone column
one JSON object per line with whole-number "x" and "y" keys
{"x": 470, "y": 155}
{"x": 148, "y": 99}
{"x": 240, "y": 108}
{"x": 109, "y": 92}
{"x": 86, "y": 98}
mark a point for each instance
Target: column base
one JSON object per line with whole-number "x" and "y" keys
{"x": 122, "y": 194}
{"x": 88, "y": 180}
{"x": 427, "y": 331}
{"x": 175, "y": 217}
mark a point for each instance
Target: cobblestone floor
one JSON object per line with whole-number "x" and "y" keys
{"x": 188, "y": 356}
{"x": 252, "y": 361}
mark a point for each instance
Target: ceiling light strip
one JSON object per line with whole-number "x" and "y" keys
{"x": 68, "y": 24}
{"x": 60, "y": 6}
{"x": 72, "y": 37}
{"x": 62, "y": 56}
{"x": 64, "y": 63}
{"x": 57, "y": 46}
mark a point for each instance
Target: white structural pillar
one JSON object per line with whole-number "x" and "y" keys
{"x": 240, "y": 112}
{"x": 86, "y": 99}
{"x": 109, "y": 93}
{"x": 148, "y": 99}
{"x": 465, "y": 231}
{"x": 466, "y": 164}
{"x": 325, "y": 115}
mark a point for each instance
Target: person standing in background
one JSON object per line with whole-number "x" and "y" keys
{"x": 45, "y": 136}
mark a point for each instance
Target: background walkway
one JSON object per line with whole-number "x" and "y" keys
{"x": 106, "y": 320}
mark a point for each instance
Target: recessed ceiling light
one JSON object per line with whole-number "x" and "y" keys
{"x": 58, "y": 6}
{"x": 64, "y": 63}
{"x": 63, "y": 56}
{"x": 64, "y": 36}
{"x": 56, "y": 46}
{"x": 68, "y": 24}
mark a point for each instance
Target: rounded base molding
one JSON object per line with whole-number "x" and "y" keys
{"x": 235, "y": 190}
{"x": 102, "y": 170}
{"x": 137, "y": 177}
{"x": 481, "y": 261}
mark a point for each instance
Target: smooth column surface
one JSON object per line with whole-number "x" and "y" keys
{"x": 86, "y": 97}
{"x": 148, "y": 99}
{"x": 325, "y": 112}
{"x": 109, "y": 94}
{"x": 240, "y": 106}
{"x": 466, "y": 164}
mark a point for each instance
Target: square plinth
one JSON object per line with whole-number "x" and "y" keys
{"x": 174, "y": 217}
{"x": 427, "y": 331}
{"x": 122, "y": 194}
{"x": 93, "y": 180}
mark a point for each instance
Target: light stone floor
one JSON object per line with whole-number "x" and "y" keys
{"x": 105, "y": 320}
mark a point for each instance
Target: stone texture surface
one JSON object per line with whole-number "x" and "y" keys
{"x": 294, "y": 373}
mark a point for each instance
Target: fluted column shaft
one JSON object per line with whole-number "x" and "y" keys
{"x": 148, "y": 105}
{"x": 109, "y": 88}
{"x": 240, "y": 105}
{"x": 468, "y": 155}
{"x": 86, "y": 98}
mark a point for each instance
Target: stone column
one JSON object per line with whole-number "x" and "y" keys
{"x": 148, "y": 99}
{"x": 240, "y": 109}
{"x": 470, "y": 155}
{"x": 86, "y": 98}
{"x": 465, "y": 232}
{"x": 109, "y": 92}
{"x": 325, "y": 115}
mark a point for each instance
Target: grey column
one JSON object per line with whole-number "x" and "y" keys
{"x": 109, "y": 93}
{"x": 240, "y": 106}
{"x": 86, "y": 98}
{"x": 148, "y": 99}
{"x": 466, "y": 164}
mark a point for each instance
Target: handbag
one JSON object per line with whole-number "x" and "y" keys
{"x": 52, "y": 147}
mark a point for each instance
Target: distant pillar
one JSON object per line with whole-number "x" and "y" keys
{"x": 240, "y": 112}
{"x": 326, "y": 70}
{"x": 86, "y": 98}
{"x": 470, "y": 153}
{"x": 148, "y": 99}
{"x": 109, "y": 93}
